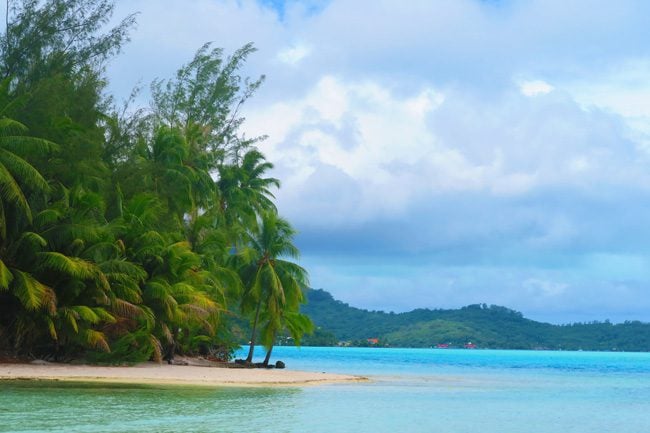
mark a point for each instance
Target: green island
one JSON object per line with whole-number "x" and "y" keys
{"x": 474, "y": 326}
{"x": 132, "y": 233}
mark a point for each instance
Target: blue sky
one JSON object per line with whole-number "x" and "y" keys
{"x": 442, "y": 153}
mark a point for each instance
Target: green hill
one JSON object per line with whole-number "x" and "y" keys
{"x": 485, "y": 326}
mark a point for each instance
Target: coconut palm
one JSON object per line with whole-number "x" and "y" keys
{"x": 61, "y": 296}
{"x": 19, "y": 181}
{"x": 296, "y": 323}
{"x": 245, "y": 192}
{"x": 79, "y": 258}
{"x": 272, "y": 284}
{"x": 18, "y": 178}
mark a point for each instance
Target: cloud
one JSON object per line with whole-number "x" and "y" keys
{"x": 424, "y": 160}
{"x": 398, "y": 150}
{"x": 294, "y": 54}
{"x": 535, "y": 87}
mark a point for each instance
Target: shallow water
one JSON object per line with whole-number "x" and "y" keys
{"x": 412, "y": 390}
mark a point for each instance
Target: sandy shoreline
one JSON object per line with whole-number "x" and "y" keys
{"x": 163, "y": 374}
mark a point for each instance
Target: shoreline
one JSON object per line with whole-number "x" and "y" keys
{"x": 151, "y": 373}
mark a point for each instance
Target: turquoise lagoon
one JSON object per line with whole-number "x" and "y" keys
{"x": 411, "y": 390}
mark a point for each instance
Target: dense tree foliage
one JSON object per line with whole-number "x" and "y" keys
{"x": 128, "y": 235}
{"x": 485, "y": 326}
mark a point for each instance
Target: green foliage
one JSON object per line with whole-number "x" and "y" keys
{"x": 321, "y": 338}
{"x": 116, "y": 243}
{"x": 204, "y": 99}
{"x": 42, "y": 38}
{"x": 485, "y": 326}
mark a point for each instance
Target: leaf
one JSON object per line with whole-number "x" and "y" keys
{"x": 10, "y": 127}
{"x": 49, "y": 301}
{"x": 95, "y": 339}
{"x": 157, "y": 348}
{"x": 47, "y": 217}
{"x": 5, "y": 276}
{"x": 167, "y": 333}
{"x": 160, "y": 292}
{"x": 71, "y": 316}
{"x": 33, "y": 240}
{"x": 71, "y": 266}
{"x": 11, "y": 192}
{"x": 17, "y": 144}
{"x": 3, "y": 221}
{"x": 51, "y": 328}
{"x": 23, "y": 170}
{"x": 86, "y": 313}
{"x": 126, "y": 309}
{"x": 29, "y": 290}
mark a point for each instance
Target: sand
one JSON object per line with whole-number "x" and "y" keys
{"x": 164, "y": 374}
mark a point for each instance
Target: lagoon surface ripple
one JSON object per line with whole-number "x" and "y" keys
{"x": 412, "y": 390}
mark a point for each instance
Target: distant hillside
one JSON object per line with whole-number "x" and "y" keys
{"x": 485, "y": 326}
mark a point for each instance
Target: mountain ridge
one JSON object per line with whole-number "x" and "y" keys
{"x": 482, "y": 325}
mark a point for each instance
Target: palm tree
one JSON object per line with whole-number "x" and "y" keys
{"x": 272, "y": 285}
{"x": 73, "y": 251}
{"x": 20, "y": 290}
{"x": 296, "y": 323}
{"x": 244, "y": 191}
{"x": 16, "y": 174}
{"x": 62, "y": 298}
{"x": 179, "y": 290}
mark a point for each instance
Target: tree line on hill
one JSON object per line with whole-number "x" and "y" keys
{"x": 484, "y": 326}
{"x": 129, "y": 234}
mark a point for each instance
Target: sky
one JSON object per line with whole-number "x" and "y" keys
{"x": 440, "y": 153}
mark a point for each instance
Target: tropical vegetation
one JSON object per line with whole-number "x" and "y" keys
{"x": 130, "y": 233}
{"x": 484, "y": 326}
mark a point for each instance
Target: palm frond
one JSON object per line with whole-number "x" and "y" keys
{"x": 49, "y": 301}
{"x": 10, "y": 191}
{"x": 47, "y": 217}
{"x": 104, "y": 316}
{"x": 94, "y": 339}
{"x": 71, "y": 317}
{"x": 167, "y": 333}
{"x": 3, "y": 221}
{"x": 6, "y": 277}
{"x": 23, "y": 170}
{"x": 30, "y": 240}
{"x": 18, "y": 144}
{"x": 125, "y": 268}
{"x": 71, "y": 266}
{"x": 31, "y": 292}
{"x": 157, "y": 348}
{"x": 126, "y": 309}
{"x": 51, "y": 328}
{"x": 10, "y": 127}
{"x": 86, "y": 313}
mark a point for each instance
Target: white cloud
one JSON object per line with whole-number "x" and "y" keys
{"x": 384, "y": 133}
{"x": 406, "y": 147}
{"x": 535, "y": 88}
{"x": 294, "y": 55}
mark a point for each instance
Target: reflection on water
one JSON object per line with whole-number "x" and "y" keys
{"x": 30, "y": 406}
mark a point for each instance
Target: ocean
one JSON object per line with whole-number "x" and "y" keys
{"x": 411, "y": 390}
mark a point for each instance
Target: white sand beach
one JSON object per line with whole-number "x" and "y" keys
{"x": 163, "y": 374}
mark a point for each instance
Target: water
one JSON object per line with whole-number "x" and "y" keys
{"x": 412, "y": 390}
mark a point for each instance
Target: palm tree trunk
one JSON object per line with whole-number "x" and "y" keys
{"x": 249, "y": 358}
{"x": 268, "y": 356}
